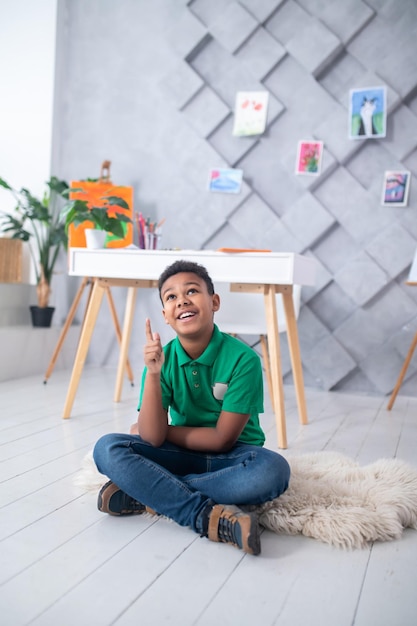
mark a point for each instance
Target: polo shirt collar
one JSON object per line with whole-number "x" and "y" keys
{"x": 209, "y": 355}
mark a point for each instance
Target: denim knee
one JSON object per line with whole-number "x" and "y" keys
{"x": 278, "y": 473}
{"x": 283, "y": 474}
{"x": 101, "y": 451}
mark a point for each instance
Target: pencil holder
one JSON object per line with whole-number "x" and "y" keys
{"x": 153, "y": 241}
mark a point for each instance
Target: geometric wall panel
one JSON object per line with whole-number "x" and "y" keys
{"x": 176, "y": 71}
{"x": 345, "y": 19}
{"x": 261, "y": 53}
{"x": 205, "y": 111}
{"x": 361, "y": 278}
{"x": 298, "y": 219}
{"x": 313, "y": 46}
{"x": 232, "y": 26}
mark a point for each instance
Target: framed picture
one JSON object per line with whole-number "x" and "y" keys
{"x": 250, "y": 113}
{"x": 309, "y": 155}
{"x": 396, "y": 187}
{"x": 367, "y": 113}
{"x": 225, "y": 180}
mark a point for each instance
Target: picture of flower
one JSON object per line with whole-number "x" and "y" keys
{"x": 250, "y": 113}
{"x": 309, "y": 157}
{"x": 395, "y": 188}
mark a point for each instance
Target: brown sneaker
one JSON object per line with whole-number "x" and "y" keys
{"x": 229, "y": 524}
{"x": 114, "y": 501}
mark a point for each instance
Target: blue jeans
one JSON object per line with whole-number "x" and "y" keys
{"x": 181, "y": 483}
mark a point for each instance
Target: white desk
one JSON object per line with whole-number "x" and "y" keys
{"x": 260, "y": 272}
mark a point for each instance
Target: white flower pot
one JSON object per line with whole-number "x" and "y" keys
{"x": 95, "y": 238}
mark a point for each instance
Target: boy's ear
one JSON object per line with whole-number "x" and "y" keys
{"x": 216, "y": 302}
{"x": 163, "y": 313}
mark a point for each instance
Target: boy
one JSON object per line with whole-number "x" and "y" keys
{"x": 208, "y": 458}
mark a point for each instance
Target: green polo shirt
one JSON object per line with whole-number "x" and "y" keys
{"x": 227, "y": 376}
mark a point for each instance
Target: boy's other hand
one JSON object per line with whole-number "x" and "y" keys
{"x": 153, "y": 352}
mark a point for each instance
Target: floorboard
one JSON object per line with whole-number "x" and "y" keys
{"x": 63, "y": 562}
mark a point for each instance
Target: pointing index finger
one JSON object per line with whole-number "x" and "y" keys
{"x": 148, "y": 330}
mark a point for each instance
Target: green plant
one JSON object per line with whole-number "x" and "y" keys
{"x": 38, "y": 222}
{"x": 101, "y": 217}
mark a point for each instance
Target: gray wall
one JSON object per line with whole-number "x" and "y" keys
{"x": 151, "y": 84}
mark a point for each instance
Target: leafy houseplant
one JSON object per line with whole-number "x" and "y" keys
{"x": 38, "y": 222}
{"x": 104, "y": 217}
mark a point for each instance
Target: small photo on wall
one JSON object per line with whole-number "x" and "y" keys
{"x": 250, "y": 113}
{"x": 309, "y": 155}
{"x": 396, "y": 188}
{"x": 367, "y": 113}
{"x": 225, "y": 180}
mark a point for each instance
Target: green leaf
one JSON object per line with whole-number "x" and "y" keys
{"x": 122, "y": 217}
{"x": 115, "y": 200}
{"x": 115, "y": 227}
{"x": 76, "y": 190}
{"x": 58, "y": 186}
{"x": 39, "y": 223}
{"x": 4, "y": 184}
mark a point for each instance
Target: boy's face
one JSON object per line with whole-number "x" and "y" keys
{"x": 188, "y": 306}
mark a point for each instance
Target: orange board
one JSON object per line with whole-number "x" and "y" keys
{"x": 94, "y": 192}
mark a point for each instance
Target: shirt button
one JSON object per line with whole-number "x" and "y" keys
{"x": 195, "y": 372}
{"x": 196, "y": 385}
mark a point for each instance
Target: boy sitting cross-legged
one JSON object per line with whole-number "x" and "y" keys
{"x": 205, "y": 462}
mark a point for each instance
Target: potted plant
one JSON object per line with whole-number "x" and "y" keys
{"x": 40, "y": 224}
{"x": 103, "y": 219}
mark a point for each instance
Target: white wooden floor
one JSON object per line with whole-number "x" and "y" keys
{"x": 64, "y": 563}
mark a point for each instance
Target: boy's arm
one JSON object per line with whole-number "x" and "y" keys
{"x": 218, "y": 439}
{"x": 152, "y": 424}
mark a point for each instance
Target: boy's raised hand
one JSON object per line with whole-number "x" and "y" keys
{"x": 152, "y": 353}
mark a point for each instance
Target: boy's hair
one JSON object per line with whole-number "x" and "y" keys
{"x": 186, "y": 266}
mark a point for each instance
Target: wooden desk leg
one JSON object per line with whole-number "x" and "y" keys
{"x": 402, "y": 373}
{"x": 267, "y": 365}
{"x": 295, "y": 355}
{"x": 65, "y": 328}
{"x": 275, "y": 364}
{"x": 124, "y": 346}
{"x": 118, "y": 331}
{"x": 83, "y": 345}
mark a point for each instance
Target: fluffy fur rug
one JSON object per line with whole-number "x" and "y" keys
{"x": 330, "y": 498}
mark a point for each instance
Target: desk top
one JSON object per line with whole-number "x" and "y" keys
{"x": 274, "y": 268}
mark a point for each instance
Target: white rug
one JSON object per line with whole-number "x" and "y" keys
{"x": 331, "y": 498}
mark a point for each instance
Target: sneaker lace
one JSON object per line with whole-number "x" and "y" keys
{"x": 227, "y": 530}
{"x": 130, "y": 503}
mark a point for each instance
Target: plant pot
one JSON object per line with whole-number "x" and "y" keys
{"x": 42, "y": 316}
{"x": 94, "y": 238}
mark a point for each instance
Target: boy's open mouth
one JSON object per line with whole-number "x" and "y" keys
{"x": 186, "y": 315}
